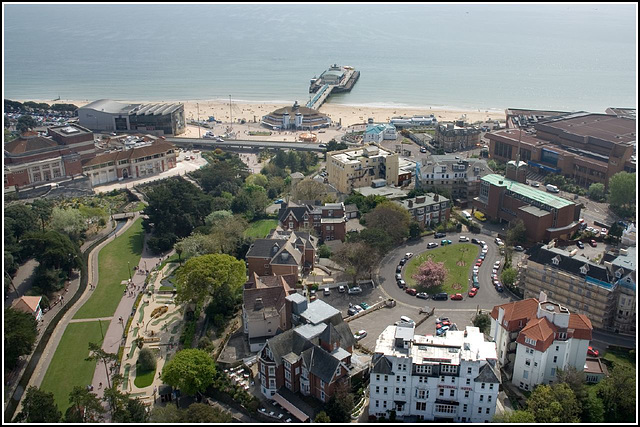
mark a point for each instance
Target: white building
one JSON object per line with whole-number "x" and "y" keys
{"x": 402, "y": 121}
{"x": 378, "y": 133}
{"x": 535, "y": 338}
{"x": 450, "y": 378}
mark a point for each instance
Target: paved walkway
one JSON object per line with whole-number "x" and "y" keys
{"x": 70, "y": 290}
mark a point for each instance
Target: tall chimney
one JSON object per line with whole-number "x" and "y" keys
{"x": 258, "y": 304}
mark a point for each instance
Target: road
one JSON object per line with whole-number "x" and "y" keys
{"x": 243, "y": 144}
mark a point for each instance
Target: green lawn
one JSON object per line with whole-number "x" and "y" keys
{"x": 260, "y": 229}
{"x": 140, "y": 206}
{"x": 68, "y": 367}
{"x": 450, "y": 254}
{"x": 620, "y": 358}
{"x": 144, "y": 378}
{"x": 113, "y": 269}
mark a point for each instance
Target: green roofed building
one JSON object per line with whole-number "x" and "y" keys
{"x": 545, "y": 215}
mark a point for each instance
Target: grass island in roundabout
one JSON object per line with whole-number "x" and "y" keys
{"x": 458, "y": 258}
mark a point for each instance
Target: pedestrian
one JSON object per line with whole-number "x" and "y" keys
{"x": 99, "y": 386}
{"x": 120, "y": 319}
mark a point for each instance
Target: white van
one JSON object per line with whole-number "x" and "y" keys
{"x": 552, "y": 188}
{"x": 466, "y": 214}
{"x": 406, "y": 319}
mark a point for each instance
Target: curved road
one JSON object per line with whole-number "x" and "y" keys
{"x": 487, "y": 296}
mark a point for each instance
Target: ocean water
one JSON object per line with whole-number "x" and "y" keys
{"x": 563, "y": 57}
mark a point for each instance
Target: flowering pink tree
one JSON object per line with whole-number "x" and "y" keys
{"x": 430, "y": 274}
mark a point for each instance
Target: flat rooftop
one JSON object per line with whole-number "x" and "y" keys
{"x": 386, "y": 191}
{"x": 527, "y": 191}
{"x": 603, "y": 126}
{"x": 318, "y": 311}
{"x": 354, "y": 156}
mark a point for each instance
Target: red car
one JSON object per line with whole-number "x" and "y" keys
{"x": 592, "y": 352}
{"x": 479, "y": 263}
{"x": 473, "y": 292}
{"x": 411, "y": 291}
{"x": 443, "y": 323}
{"x": 456, "y": 297}
{"x": 593, "y": 243}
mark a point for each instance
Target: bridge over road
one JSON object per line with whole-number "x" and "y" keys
{"x": 243, "y": 144}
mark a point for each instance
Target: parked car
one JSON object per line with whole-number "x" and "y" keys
{"x": 440, "y": 235}
{"x": 442, "y": 330}
{"x": 403, "y": 261}
{"x": 499, "y": 288}
{"x": 401, "y": 283}
{"x": 432, "y": 245}
{"x": 353, "y": 311}
{"x": 442, "y": 319}
{"x": 593, "y": 243}
{"x": 355, "y": 290}
{"x": 422, "y": 295}
{"x": 498, "y": 241}
{"x": 360, "y": 334}
{"x": 399, "y": 269}
{"x": 341, "y": 288}
{"x": 476, "y": 283}
{"x": 482, "y": 256}
{"x": 445, "y": 242}
{"x": 479, "y": 262}
{"x": 398, "y": 276}
{"x": 475, "y": 241}
{"x": 592, "y": 352}
{"x": 423, "y": 150}
{"x": 442, "y": 296}
{"x": 279, "y": 201}
{"x": 535, "y": 184}
{"x": 312, "y": 293}
{"x": 463, "y": 239}
{"x": 443, "y": 323}
{"x": 456, "y": 297}
{"x": 408, "y": 255}
{"x": 580, "y": 244}
{"x": 518, "y": 248}
{"x": 411, "y": 291}
{"x": 473, "y": 292}
{"x": 603, "y": 230}
{"x": 496, "y": 264}
{"x": 364, "y": 305}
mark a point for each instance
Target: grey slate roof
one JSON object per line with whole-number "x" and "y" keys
{"x": 381, "y": 365}
{"x": 323, "y": 365}
{"x": 262, "y": 248}
{"x": 544, "y": 256}
{"x": 487, "y": 374}
{"x": 287, "y": 342}
{"x": 318, "y": 311}
{"x": 347, "y": 339}
{"x": 330, "y": 335}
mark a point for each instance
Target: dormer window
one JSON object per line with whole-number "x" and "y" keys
{"x": 556, "y": 260}
{"x": 619, "y": 273}
{"x": 530, "y": 341}
{"x": 584, "y": 269}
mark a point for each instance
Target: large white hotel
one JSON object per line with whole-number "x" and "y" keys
{"x": 452, "y": 378}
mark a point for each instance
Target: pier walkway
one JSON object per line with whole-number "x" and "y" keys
{"x": 320, "y": 96}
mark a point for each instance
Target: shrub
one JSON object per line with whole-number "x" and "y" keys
{"x": 324, "y": 251}
{"x": 146, "y": 360}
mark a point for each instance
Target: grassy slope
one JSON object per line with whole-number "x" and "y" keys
{"x": 113, "y": 269}
{"x": 260, "y": 229}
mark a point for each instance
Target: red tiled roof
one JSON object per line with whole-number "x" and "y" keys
{"x": 515, "y": 311}
{"x": 27, "y": 304}
{"x": 581, "y": 325}
{"x": 541, "y": 330}
{"x": 24, "y": 145}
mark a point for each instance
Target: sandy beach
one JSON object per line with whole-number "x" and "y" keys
{"x": 347, "y": 114}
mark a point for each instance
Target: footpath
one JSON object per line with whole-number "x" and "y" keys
{"x": 11, "y": 381}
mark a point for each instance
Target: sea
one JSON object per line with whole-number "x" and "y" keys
{"x": 463, "y": 56}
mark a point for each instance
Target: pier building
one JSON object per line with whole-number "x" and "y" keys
{"x": 295, "y": 117}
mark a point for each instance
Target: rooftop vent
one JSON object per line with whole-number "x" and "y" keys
{"x": 549, "y": 307}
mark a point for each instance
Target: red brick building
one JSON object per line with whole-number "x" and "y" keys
{"x": 32, "y": 159}
{"x": 328, "y": 221}
{"x": 282, "y": 253}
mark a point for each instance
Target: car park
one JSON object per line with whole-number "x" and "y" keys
{"x": 456, "y": 297}
{"x": 580, "y": 244}
{"x": 463, "y": 239}
{"x": 401, "y": 284}
{"x": 341, "y": 288}
{"x": 442, "y": 296}
{"x": 355, "y": 290}
{"x": 440, "y": 235}
{"x": 411, "y": 291}
{"x": 422, "y": 295}
{"x": 473, "y": 292}
{"x": 432, "y": 245}
{"x": 592, "y": 352}
{"x": 593, "y": 243}
{"x": 360, "y": 334}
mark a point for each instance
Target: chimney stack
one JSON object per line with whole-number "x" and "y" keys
{"x": 258, "y": 305}
{"x": 436, "y": 197}
{"x": 410, "y": 203}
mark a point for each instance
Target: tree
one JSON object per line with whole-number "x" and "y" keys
{"x": 517, "y": 234}
{"x": 23, "y": 219}
{"x": 374, "y": 237}
{"x": 322, "y": 417}
{"x": 618, "y": 395}
{"x": 195, "y": 245}
{"x": 218, "y": 276}
{"x": 430, "y": 275}
{"x": 146, "y": 360}
{"x": 217, "y": 216}
{"x": 190, "y": 370}
{"x": 85, "y": 406}
{"x": 518, "y": 416}
{"x": 309, "y": 189}
{"x": 393, "y": 219}
{"x": 257, "y": 179}
{"x": 340, "y": 405}
{"x": 68, "y": 221}
{"x": 251, "y": 201}
{"x": 43, "y": 209}
{"x": 20, "y": 333}
{"x": 26, "y": 123}
{"x": 622, "y": 190}
{"x": 39, "y": 407}
{"x": 592, "y": 409}
{"x": 53, "y": 250}
{"x": 509, "y": 276}
{"x": 203, "y": 413}
{"x": 415, "y": 229}
{"x": 482, "y": 321}
{"x": 596, "y": 191}
{"x": 357, "y": 259}
{"x": 575, "y": 380}
{"x": 169, "y": 414}
{"x": 556, "y": 404}
{"x": 96, "y": 353}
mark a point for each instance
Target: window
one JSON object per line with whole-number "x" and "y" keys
{"x": 377, "y": 403}
{"x": 272, "y": 383}
{"x": 421, "y": 406}
{"x": 398, "y": 378}
{"x": 530, "y": 341}
{"x": 489, "y": 398}
{"x": 322, "y": 396}
{"x": 322, "y": 385}
{"x": 469, "y": 370}
{"x": 262, "y": 367}
{"x": 440, "y": 392}
{"x": 386, "y": 378}
{"x": 384, "y": 403}
{"x": 466, "y": 393}
{"x": 385, "y": 390}
{"x": 404, "y": 378}
{"x": 397, "y": 390}
{"x": 272, "y": 371}
{"x": 403, "y": 391}
{"x": 468, "y": 381}
{"x": 377, "y": 389}
{"x": 479, "y": 410}
{"x": 482, "y": 398}
{"x": 422, "y": 394}
{"x": 555, "y": 359}
{"x": 482, "y": 386}
{"x": 488, "y": 410}
{"x": 377, "y": 377}
{"x": 557, "y": 348}
{"x": 448, "y": 369}
{"x": 287, "y": 365}
{"x": 452, "y": 393}
{"x": 464, "y": 408}
{"x": 453, "y": 380}
{"x": 441, "y": 377}
{"x": 553, "y": 372}
{"x": 491, "y": 385}
{"x": 287, "y": 375}
{"x": 525, "y": 374}
{"x": 527, "y": 362}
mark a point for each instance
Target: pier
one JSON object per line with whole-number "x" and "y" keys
{"x": 320, "y": 96}
{"x": 322, "y": 92}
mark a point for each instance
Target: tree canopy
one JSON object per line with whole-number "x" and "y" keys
{"x": 218, "y": 276}
{"x": 618, "y": 394}
{"x": 25, "y": 123}
{"x": 391, "y": 218}
{"x": 596, "y": 191}
{"x": 509, "y": 276}
{"x": 85, "y": 406}
{"x": 357, "y": 258}
{"x": 20, "y": 333}
{"x": 553, "y": 404}
{"x": 309, "y": 189}
{"x": 53, "y": 250}
{"x": 190, "y": 370}
{"x": 430, "y": 274}
{"x": 622, "y": 189}
{"x": 517, "y": 234}
{"x": 39, "y": 407}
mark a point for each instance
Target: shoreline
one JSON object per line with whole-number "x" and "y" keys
{"x": 344, "y": 114}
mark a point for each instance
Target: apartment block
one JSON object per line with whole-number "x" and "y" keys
{"x": 353, "y": 168}
{"x": 429, "y": 209}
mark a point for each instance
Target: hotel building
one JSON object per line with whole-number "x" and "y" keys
{"x": 453, "y": 378}
{"x": 353, "y": 168}
{"x": 428, "y": 209}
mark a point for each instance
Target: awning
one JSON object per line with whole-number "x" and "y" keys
{"x": 291, "y": 408}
